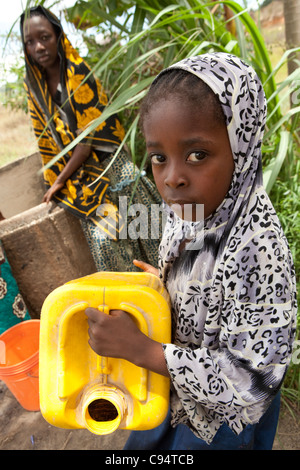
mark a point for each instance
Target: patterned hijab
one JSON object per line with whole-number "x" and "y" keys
{"x": 241, "y": 95}
{"x": 234, "y": 294}
{"x": 58, "y": 122}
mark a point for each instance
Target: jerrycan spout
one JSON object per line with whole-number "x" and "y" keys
{"x": 103, "y": 407}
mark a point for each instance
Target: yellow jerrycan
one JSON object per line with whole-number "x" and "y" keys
{"x": 80, "y": 389}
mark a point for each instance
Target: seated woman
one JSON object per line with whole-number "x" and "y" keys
{"x": 64, "y": 97}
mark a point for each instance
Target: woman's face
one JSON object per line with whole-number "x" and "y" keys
{"x": 191, "y": 156}
{"x": 41, "y": 41}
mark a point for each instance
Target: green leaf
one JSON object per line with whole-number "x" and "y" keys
{"x": 272, "y": 170}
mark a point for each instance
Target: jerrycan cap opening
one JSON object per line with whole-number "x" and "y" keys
{"x": 103, "y": 409}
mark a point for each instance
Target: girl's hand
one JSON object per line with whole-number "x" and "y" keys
{"x": 147, "y": 268}
{"x": 51, "y": 191}
{"x": 116, "y": 335}
{"x": 113, "y": 335}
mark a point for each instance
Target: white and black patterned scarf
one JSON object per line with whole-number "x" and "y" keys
{"x": 234, "y": 300}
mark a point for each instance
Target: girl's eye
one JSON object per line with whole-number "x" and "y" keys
{"x": 196, "y": 156}
{"x": 157, "y": 159}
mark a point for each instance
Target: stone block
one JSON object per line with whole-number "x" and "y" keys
{"x": 45, "y": 247}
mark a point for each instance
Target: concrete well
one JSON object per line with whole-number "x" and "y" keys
{"x": 44, "y": 244}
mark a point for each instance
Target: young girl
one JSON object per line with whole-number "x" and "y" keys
{"x": 230, "y": 278}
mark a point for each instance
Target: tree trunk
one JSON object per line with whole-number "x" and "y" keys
{"x": 292, "y": 31}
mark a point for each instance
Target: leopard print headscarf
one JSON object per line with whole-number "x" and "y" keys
{"x": 234, "y": 297}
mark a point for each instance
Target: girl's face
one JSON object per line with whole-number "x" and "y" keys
{"x": 41, "y": 41}
{"x": 191, "y": 156}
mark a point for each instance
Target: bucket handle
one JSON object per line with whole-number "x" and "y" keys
{"x": 62, "y": 340}
{"x": 32, "y": 376}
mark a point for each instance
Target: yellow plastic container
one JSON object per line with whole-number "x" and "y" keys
{"x": 78, "y": 388}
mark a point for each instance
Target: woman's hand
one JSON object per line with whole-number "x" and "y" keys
{"x": 147, "y": 268}
{"x": 51, "y": 191}
{"x": 116, "y": 335}
{"x": 80, "y": 153}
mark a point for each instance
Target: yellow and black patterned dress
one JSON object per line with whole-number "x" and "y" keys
{"x": 79, "y": 101}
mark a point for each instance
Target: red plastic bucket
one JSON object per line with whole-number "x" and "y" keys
{"x": 19, "y": 362}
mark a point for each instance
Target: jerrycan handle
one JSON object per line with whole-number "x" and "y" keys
{"x": 102, "y": 361}
{"x": 141, "y": 392}
{"x": 62, "y": 340}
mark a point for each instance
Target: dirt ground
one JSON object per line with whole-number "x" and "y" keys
{"x": 27, "y": 430}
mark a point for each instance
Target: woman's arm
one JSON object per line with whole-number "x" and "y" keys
{"x": 79, "y": 156}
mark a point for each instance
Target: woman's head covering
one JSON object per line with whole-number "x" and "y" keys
{"x": 44, "y": 12}
{"x": 82, "y": 104}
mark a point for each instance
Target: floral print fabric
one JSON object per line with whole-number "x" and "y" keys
{"x": 233, "y": 299}
{"x": 12, "y": 307}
